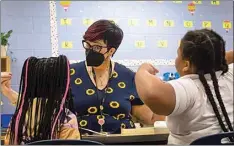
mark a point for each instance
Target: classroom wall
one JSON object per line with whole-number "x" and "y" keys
{"x": 140, "y": 32}
{"x": 30, "y": 23}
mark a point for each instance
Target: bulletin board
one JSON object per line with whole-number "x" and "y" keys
{"x": 152, "y": 29}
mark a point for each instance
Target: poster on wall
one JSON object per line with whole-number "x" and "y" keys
{"x": 227, "y": 25}
{"x": 65, "y": 4}
{"x": 191, "y": 8}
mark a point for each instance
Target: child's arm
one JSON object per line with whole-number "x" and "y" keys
{"x": 69, "y": 133}
{"x": 229, "y": 57}
{"x": 69, "y": 130}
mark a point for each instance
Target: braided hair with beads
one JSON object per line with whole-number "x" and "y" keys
{"x": 44, "y": 96}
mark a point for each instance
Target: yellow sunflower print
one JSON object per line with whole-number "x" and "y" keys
{"x": 78, "y": 81}
{"x": 123, "y": 126}
{"x": 109, "y": 90}
{"x": 121, "y": 85}
{"x": 100, "y": 117}
{"x": 92, "y": 110}
{"x": 131, "y": 97}
{"x": 72, "y": 71}
{"x": 114, "y": 104}
{"x": 101, "y": 107}
{"x": 120, "y": 116}
{"x": 83, "y": 123}
{"x": 114, "y": 74}
{"x": 90, "y": 91}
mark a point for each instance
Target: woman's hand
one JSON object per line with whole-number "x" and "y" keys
{"x": 6, "y": 89}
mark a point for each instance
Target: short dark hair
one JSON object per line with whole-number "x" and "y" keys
{"x": 107, "y": 31}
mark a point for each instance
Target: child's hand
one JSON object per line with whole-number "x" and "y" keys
{"x": 5, "y": 76}
{"x": 6, "y": 83}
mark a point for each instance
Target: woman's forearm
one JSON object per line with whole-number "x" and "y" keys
{"x": 13, "y": 97}
{"x": 229, "y": 57}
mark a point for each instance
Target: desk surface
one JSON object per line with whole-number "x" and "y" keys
{"x": 118, "y": 139}
{"x": 140, "y": 135}
{"x": 158, "y": 137}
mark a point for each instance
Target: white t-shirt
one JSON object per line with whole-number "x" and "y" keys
{"x": 193, "y": 116}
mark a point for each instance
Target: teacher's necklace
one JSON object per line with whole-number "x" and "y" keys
{"x": 101, "y": 120}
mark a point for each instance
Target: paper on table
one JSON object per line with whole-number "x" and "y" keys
{"x": 160, "y": 124}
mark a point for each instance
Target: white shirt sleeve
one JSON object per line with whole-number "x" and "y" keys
{"x": 230, "y": 69}
{"x": 185, "y": 90}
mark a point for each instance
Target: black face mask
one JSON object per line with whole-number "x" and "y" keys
{"x": 94, "y": 58}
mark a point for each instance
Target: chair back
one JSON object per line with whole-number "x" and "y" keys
{"x": 215, "y": 139}
{"x": 5, "y": 120}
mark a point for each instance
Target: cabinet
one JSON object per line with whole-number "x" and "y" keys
{"x": 5, "y": 64}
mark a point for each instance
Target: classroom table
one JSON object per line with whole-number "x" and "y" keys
{"x": 118, "y": 139}
{"x": 138, "y": 136}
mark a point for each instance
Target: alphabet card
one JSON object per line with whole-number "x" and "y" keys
{"x": 215, "y": 3}
{"x": 162, "y": 44}
{"x": 188, "y": 24}
{"x": 169, "y": 23}
{"x": 140, "y": 44}
{"x": 151, "y": 22}
{"x": 206, "y": 24}
{"x": 87, "y": 21}
{"x": 133, "y": 22}
{"x": 65, "y": 21}
{"x": 67, "y": 45}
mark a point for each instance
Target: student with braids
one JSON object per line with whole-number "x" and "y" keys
{"x": 44, "y": 104}
{"x": 199, "y": 103}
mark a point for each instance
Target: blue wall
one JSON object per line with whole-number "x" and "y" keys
{"x": 31, "y": 35}
{"x": 30, "y": 22}
{"x": 124, "y": 11}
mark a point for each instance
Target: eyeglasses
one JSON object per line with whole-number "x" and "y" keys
{"x": 96, "y": 48}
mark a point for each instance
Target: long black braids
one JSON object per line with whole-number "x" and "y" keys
{"x": 205, "y": 50}
{"x": 224, "y": 67}
{"x": 43, "y": 84}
